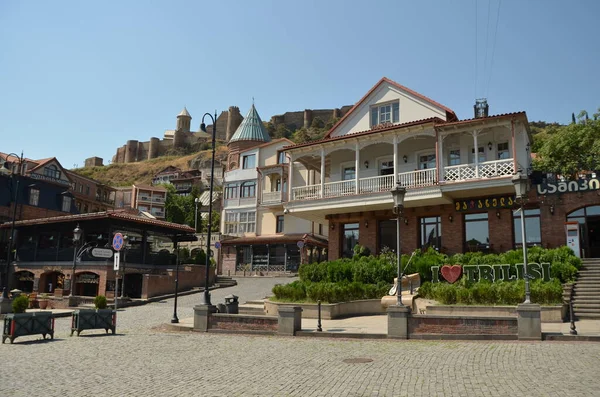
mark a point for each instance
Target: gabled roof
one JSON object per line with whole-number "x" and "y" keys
{"x": 251, "y": 129}
{"x": 450, "y": 115}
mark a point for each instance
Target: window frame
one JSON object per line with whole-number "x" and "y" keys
{"x": 279, "y": 223}
{"x": 34, "y": 197}
{"x": 425, "y": 221}
{"x": 530, "y": 213}
{"x": 451, "y": 160}
{"x": 66, "y": 204}
{"x": 375, "y": 114}
{"x": 246, "y": 159}
{"x": 343, "y": 229}
{"x": 502, "y": 151}
{"x": 484, "y": 217}
{"x": 52, "y": 171}
{"x": 248, "y": 189}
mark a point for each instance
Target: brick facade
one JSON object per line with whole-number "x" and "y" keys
{"x": 445, "y": 325}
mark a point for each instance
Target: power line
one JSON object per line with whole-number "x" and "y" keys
{"x": 493, "y": 49}
{"x": 487, "y": 35}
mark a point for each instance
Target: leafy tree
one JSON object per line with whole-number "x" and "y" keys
{"x": 282, "y": 131}
{"x": 216, "y": 223}
{"x": 568, "y": 150}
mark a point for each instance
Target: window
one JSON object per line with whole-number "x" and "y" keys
{"x": 387, "y": 235}
{"x": 34, "y": 197}
{"x": 80, "y": 188}
{"x": 240, "y": 222}
{"x": 477, "y": 234}
{"x": 277, "y": 185}
{"x": 386, "y": 113}
{"x": 279, "y": 227}
{"x": 248, "y": 189}
{"x": 481, "y": 157}
{"x": 249, "y": 161}
{"x": 533, "y": 232}
{"x": 87, "y": 190}
{"x": 66, "y": 204}
{"x": 427, "y": 161}
{"x": 454, "y": 157}
{"x": 431, "y": 232}
{"x": 349, "y": 239}
{"x": 52, "y": 171}
{"x": 231, "y": 191}
{"x": 281, "y": 158}
{"x": 386, "y": 167}
{"x": 503, "y": 152}
{"x": 348, "y": 173}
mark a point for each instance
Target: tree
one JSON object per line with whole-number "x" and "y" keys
{"x": 571, "y": 149}
{"x": 216, "y": 223}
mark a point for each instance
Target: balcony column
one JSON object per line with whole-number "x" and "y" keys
{"x": 439, "y": 157}
{"x": 514, "y": 145}
{"x": 476, "y": 153}
{"x": 396, "y": 159}
{"x": 356, "y": 167}
{"x": 322, "y": 193}
{"x": 290, "y": 185}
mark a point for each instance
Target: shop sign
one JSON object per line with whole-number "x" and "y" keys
{"x": 49, "y": 179}
{"x": 484, "y": 203}
{"x": 490, "y": 273}
{"x": 582, "y": 185}
{"x": 87, "y": 279}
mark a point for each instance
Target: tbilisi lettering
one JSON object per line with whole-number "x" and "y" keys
{"x": 581, "y": 185}
{"x": 492, "y": 273}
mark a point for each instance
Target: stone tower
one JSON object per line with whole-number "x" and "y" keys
{"x": 184, "y": 121}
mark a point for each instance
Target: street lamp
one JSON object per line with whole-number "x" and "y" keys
{"x": 125, "y": 240}
{"x": 521, "y": 187}
{"x": 196, "y": 201}
{"x": 206, "y": 296}
{"x": 4, "y": 274}
{"x": 77, "y": 232}
{"x": 175, "y": 319}
{"x": 398, "y": 194}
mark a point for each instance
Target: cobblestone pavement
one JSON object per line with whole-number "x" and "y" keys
{"x": 141, "y": 360}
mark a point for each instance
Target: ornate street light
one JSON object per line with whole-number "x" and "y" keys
{"x": 521, "y": 183}
{"x": 4, "y": 274}
{"x": 77, "y": 232}
{"x": 206, "y": 296}
{"x": 125, "y": 241}
{"x": 398, "y": 194}
{"x": 196, "y": 201}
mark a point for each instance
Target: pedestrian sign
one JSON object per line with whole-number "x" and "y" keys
{"x": 117, "y": 242}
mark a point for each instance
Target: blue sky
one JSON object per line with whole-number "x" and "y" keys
{"x": 79, "y": 78}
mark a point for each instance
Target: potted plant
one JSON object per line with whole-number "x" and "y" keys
{"x": 21, "y": 323}
{"x": 43, "y": 301}
{"x": 98, "y": 318}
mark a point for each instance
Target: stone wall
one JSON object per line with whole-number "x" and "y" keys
{"x": 189, "y": 277}
{"x": 420, "y": 326}
{"x": 240, "y": 322}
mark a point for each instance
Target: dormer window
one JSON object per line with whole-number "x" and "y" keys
{"x": 385, "y": 113}
{"x": 52, "y": 171}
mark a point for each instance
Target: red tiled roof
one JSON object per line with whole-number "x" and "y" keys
{"x": 278, "y": 238}
{"x": 117, "y": 214}
{"x": 496, "y": 116}
{"x": 450, "y": 115}
{"x": 367, "y": 132}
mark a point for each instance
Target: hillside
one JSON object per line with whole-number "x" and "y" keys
{"x": 143, "y": 171}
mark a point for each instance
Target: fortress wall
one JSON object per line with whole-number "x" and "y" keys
{"x": 143, "y": 149}
{"x": 131, "y": 151}
{"x": 154, "y": 148}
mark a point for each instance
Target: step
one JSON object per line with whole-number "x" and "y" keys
{"x": 588, "y": 290}
{"x": 586, "y": 280}
{"x": 251, "y": 309}
{"x": 587, "y": 316}
{"x": 586, "y": 299}
{"x": 586, "y": 310}
{"x": 579, "y": 305}
{"x": 256, "y": 302}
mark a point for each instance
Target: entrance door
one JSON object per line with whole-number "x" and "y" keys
{"x": 593, "y": 234}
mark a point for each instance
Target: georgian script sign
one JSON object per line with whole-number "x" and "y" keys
{"x": 484, "y": 203}
{"x": 49, "y": 179}
{"x": 491, "y": 273}
{"x": 582, "y": 185}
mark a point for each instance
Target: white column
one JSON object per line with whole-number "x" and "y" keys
{"x": 322, "y": 193}
{"x": 476, "y": 153}
{"x": 440, "y": 157}
{"x": 290, "y": 186}
{"x": 396, "y": 159}
{"x": 357, "y": 166}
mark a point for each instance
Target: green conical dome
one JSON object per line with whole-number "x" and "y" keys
{"x": 251, "y": 129}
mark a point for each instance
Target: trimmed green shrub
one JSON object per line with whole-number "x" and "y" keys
{"x": 20, "y": 304}
{"x": 100, "y": 302}
{"x": 295, "y": 291}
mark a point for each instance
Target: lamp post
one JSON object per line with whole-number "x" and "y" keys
{"x": 77, "y": 232}
{"x": 196, "y": 201}
{"x": 125, "y": 240}
{"x": 398, "y": 194}
{"x": 5, "y": 273}
{"x": 175, "y": 319}
{"x": 206, "y": 296}
{"x": 521, "y": 187}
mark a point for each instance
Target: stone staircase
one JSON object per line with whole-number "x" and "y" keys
{"x": 225, "y": 282}
{"x": 586, "y": 294}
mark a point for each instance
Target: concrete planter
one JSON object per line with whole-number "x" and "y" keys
{"x": 22, "y": 324}
{"x": 549, "y": 314}
{"x": 105, "y": 319}
{"x": 330, "y": 311}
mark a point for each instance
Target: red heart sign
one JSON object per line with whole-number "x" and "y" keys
{"x": 451, "y": 273}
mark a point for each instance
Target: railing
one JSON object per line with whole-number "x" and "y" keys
{"x": 488, "y": 169}
{"x": 309, "y": 192}
{"x": 418, "y": 178}
{"x": 376, "y": 184}
{"x": 271, "y": 197}
{"x": 340, "y": 188}
{"x": 144, "y": 198}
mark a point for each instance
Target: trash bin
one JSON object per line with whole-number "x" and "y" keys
{"x": 221, "y": 308}
{"x": 232, "y": 304}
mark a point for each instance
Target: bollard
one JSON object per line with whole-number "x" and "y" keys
{"x": 319, "y": 329}
{"x": 410, "y": 286}
{"x": 573, "y": 330}
{"x": 228, "y": 273}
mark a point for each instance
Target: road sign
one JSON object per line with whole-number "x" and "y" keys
{"x": 300, "y": 244}
{"x": 117, "y": 259}
{"x": 117, "y": 243}
{"x": 102, "y": 253}
{"x": 218, "y": 245}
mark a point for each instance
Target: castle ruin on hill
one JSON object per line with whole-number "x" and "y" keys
{"x": 182, "y": 137}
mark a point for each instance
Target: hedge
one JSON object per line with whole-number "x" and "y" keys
{"x": 328, "y": 292}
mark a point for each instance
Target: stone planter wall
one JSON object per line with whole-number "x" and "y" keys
{"x": 550, "y": 314}
{"x": 331, "y": 311}
{"x": 432, "y": 326}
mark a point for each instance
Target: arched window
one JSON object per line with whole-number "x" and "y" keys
{"x": 248, "y": 189}
{"x": 52, "y": 171}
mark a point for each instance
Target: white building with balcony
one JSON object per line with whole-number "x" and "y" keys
{"x": 267, "y": 239}
{"x": 457, "y": 174}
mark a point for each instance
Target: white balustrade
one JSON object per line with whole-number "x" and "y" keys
{"x": 375, "y": 184}
{"x": 340, "y": 188}
{"x": 308, "y": 192}
{"x": 418, "y": 178}
{"x": 488, "y": 169}
{"x": 271, "y": 197}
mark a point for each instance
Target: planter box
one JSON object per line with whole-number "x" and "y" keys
{"x": 21, "y": 324}
{"x": 550, "y": 314}
{"x": 331, "y": 311}
{"x": 105, "y": 319}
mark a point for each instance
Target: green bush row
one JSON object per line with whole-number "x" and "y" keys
{"x": 329, "y": 292}
{"x": 360, "y": 269}
{"x": 486, "y": 293}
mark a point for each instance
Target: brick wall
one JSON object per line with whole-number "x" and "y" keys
{"x": 25, "y": 212}
{"x": 228, "y": 255}
{"x": 189, "y": 276}
{"x": 237, "y": 322}
{"x": 445, "y": 325}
